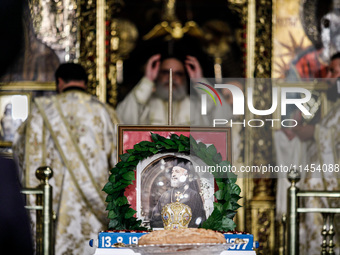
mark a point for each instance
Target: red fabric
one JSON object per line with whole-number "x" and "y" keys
{"x": 309, "y": 66}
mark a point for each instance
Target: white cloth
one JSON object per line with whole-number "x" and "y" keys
{"x": 288, "y": 153}
{"x": 91, "y": 125}
{"x": 142, "y": 107}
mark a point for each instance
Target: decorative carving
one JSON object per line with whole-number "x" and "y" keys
{"x": 239, "y": 7}
{"x": 88, "y": 54}
{"x": 56, "y": 25}
{"x": 262, "y": 96}
{"x": 263, "y": 39}
{"x": 263, "y": 228}
{"x": 265, "y": 221}
{"x": 172, "y": 27}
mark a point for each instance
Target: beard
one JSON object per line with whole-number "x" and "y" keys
{"x": 175, "y": 183}
{"x": 178, "y": 182}
{"x": 179, "y": 91}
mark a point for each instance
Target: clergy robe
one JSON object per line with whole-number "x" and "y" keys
{"x": 74, "y": 133}
{"x": 325, "y": 150}
{"x": 142, "y": 107}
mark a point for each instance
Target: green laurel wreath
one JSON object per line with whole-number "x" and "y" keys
{"x": 122, "y": 175}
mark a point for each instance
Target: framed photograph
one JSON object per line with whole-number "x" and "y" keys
{"x": 14, "y": 109}
{"x": 157, "y": 177}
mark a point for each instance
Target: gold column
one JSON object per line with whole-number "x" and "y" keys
{"x": 263, "y": 224}
{"x": 248, "y": 151}
{"x": 261, "y": 208}
{"x": 87, "y": 48}
{"x": 100, "y": 49}
{"x": 92, "y": 16}
{"x": 250, "y": 39}
{"x": 245, "y": 10}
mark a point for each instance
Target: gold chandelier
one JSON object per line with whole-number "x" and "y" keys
{"x": 171, "y": 27}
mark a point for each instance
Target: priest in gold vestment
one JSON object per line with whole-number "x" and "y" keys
{"x": 147, "y": 103}
{"x": 75, "y": 134}
{"x": 323, "y": 151}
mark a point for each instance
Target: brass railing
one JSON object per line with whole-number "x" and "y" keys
{"x": 44, "y": 216}
{"x": 294, "y": 209}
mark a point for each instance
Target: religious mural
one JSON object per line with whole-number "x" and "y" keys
{"x": 305, "y": 37}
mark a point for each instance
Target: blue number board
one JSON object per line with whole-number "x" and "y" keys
{"x": 108, "y": 239}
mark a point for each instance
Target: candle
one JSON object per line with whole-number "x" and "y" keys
{"x": 170, "y": 99}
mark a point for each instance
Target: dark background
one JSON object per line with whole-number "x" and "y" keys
{"x": 146, "y": 14}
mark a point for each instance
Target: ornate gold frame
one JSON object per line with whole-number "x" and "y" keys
{"x": 28, "y": 86}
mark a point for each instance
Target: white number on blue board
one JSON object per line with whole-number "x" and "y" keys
{"x": 246, "y": 242}
{"x": 232, "y": 240}
{"x": 240, "y": 246}
{"x": 119, "y": 239}
{"x": 133, "y": 239}
{"x": 106, "y": 241}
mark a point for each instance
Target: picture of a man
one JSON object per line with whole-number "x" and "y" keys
{"x": 180, "y": 184}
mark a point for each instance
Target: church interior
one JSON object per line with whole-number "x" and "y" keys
{"x": 262, "y": 46}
